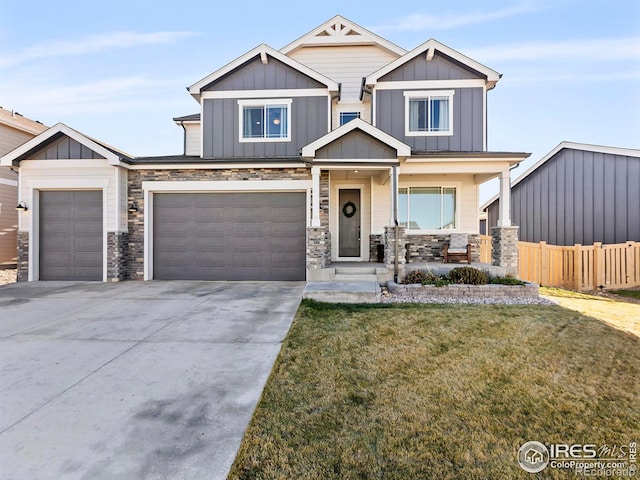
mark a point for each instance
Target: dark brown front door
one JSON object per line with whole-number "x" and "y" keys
{"x": 349, "y": 224}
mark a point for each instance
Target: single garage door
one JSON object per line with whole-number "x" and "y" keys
{"x": 229, "y": 236}
{"x": 71, "y": 236}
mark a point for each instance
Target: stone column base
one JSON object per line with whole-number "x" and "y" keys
{"x": 318, "y": 247}
{"x": 504, "y": 253}
{"x": 117, "y": 246}
{"x": 23, "y": 257}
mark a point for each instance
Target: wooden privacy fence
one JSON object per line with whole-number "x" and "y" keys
{"x": 580, "y": 267}
{"x": 485, "y": 249}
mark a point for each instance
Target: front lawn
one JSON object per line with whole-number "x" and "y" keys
{"x": 438, "y": 391}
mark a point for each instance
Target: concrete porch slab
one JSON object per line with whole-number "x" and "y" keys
{"x": 343, "y": 292}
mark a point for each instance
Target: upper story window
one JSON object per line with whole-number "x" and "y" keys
{"x": 428, "y": 113}
{"x": 348, "y": 116}
{"x": 265, "y": 120}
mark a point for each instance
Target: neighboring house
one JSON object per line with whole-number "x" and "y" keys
{"x": 577, "y": 194}
{"x": 14, "y": 131}
{"x": 294, "y": 160}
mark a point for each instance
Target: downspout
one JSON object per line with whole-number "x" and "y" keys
{"x": 394, "y": 185}
{"x": 184, "y": 142}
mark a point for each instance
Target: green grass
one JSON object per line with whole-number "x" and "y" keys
{"x": 627, "y": 293}
{"x": 438, "y": 391}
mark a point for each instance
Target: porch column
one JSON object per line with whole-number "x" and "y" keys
{"x": 315, "y": 196}
{"x": 504, "y": 214}
{"x": 393, "y": 190}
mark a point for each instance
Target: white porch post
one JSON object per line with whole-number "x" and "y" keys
{"x": 393, "y": 190}
{"x": 504, "y": 214}
{"x": 315, "y": 196}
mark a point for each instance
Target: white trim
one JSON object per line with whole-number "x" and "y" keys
{"x": 345, "y": 186}
{"x": 492, "y": 75}
{"x": 186, "y": 122}
{"x": 363, "y": 35}
{"x": 403, "y": 150}
{"x": 111, "y": 157}
{"x": 148, "y": 233}
{"x": 214, "y": 186}
{"x": 6, "y": 181}
{"x": 34, "y": 237}
{"x": 196, "y": 88}
{"x": 264, "y": 104}
{"x": 409, "y": 84}
{"x": 427, "y": 94}
{"x": 484, "y": 119}
{"x": 69, "y": 183}
{"x": 315, "y": 192}
{"x": 374, "y": 103}
{"x": 259, "y": 94}
{"x": 71, "y": 163}
{"x": 213, "y": 166}
{"x": 353, "y": 160}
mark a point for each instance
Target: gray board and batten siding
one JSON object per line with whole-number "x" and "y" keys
{"x": 63, "y": 148}
{"x": 467, "y": 105}
{"x": 356, "y": 145}
{"x": 579, "y": 197}
{"x": 309, "y": 115}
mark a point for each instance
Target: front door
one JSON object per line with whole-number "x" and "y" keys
{"x": 349, "y": 224}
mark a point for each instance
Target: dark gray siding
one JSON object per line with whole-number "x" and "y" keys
{"x": 440, "y": 67}
{"x": 309, "y": 121}
{"x": 64, "y": 148}
{"x": 578, "y": 197}
{"x": 467, "y": 121}
{"x": 357, "y": 145}
{"x": 254, "y": 75}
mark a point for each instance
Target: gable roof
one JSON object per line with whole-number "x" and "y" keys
{"x": 309, "y": 151}
{"x": 341, "y": 31}
{"x": 20, "y": 122}
{"x": 430, "y": 46}
{"x": 628, "y": 152}
{"x": 261, "y": 50}
{"x": 113, "y": 156}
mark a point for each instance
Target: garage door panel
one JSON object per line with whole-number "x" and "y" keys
{"x": 230, "y": 236}
{"x": 71, "y": 235}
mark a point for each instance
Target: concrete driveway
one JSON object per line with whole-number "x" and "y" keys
{"x": 134, "y": 380}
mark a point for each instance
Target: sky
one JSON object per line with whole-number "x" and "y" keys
{"x": 118, "y": 70}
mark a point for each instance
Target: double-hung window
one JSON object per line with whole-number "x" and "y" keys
{"x": 429, "y": 112}
{"x": 427, "y": 208}
{"x": 265, "y": 120}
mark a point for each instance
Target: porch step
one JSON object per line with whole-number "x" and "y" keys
{"x": 355, "y": 277}
{"x": 356, "y": 270}
{"x": 343, "y": 292}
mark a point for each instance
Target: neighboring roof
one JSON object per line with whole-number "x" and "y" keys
{"x": 432, "y": 45}
{"x": 114, "y": 156}
{"x": 20, "y": 122}
{"x": 309, "y": 151}
{"x": 628, "y": 152}
{"x": 341, "y": 31}
{"x": 194, "y": 117}
{"x": 261, "y": 50}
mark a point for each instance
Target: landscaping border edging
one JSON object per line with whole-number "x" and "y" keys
{"x": 528, "y": 290}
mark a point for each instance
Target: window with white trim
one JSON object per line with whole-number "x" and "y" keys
{"x": 265, "y": 120}
{"x": 429, "y": 112}
{"x": 346, "y": 117}
{"x": 427, "y": 208}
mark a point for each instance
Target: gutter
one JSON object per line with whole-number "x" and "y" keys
{"x": 184, "y": 141}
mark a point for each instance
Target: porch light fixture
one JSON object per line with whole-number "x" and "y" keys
{"x": 133, "y": 208}
{"x": 22, "y": 206}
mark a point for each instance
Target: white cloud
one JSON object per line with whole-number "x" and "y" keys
{"x": 450, "y": 20}
{"x": 89, "y": 44}
{"x": 595, "y": 49}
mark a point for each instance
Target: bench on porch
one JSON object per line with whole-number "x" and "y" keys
{"x": 458, "y": 248}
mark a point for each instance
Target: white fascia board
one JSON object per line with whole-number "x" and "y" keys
{"x": 403, "y": 149}
{"x": 111, "y": 157}
{"x": 187, "y": 122}
{"x": 309, "y": 38}
{"x": 628, "y": 152}
{"x": 197, "y": 87}
{"x": 492, "y": 75}
{"x": 257, "y": 94}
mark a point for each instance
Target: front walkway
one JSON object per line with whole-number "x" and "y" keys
{"x": 134, "y": 379}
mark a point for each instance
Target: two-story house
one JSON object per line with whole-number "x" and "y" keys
{"x": 296, "y": 159}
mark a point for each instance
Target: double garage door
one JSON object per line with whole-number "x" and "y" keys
{"x": 196, "y": 236}
{"x": 229, "y": 236}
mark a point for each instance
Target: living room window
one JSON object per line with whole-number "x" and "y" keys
{"x": 265, "y": 120}
{"x": 427, "y": 208}
{"x": 429, "y": 112}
